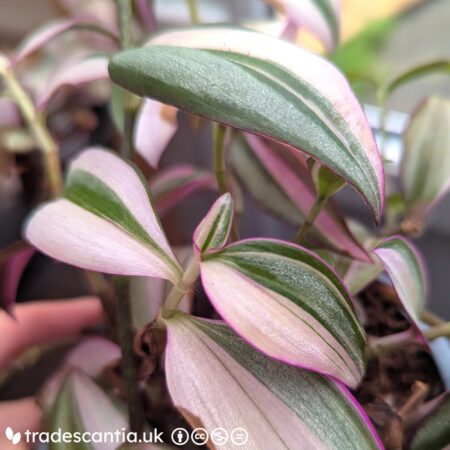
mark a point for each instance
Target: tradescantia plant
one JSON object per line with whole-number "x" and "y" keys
{"x": 283, "y": 340}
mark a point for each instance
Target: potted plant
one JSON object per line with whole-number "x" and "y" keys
{"x": 226, "y": 342}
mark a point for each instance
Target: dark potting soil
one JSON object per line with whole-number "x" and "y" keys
{"x": 399, "y": 382}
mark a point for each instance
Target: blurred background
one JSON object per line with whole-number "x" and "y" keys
{"x": 382, "y": 38}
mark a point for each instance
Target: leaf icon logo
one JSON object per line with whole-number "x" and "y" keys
{"x": 13, "y": 437}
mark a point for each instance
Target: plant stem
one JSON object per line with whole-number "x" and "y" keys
{"x": 312, "y": 216}
{"x": 179, "y": 291}
{"x": 382, "y": 98}
{"x": 129, "y": 364}
{"x": 125, "y": 15}
{"x": 419, "y": 393}
{"x": 105, "y": 292}
{"x": 219, "y": 132}
{"x": 37, "y": 125}
{"x": 193, "y": 11}
{"x": 136, "y": 415}
{"x": 437, "y": 331}
{"x": 385, "y": 344}
{"x": 129, "y": 102}
{"x": 431, "y": 319}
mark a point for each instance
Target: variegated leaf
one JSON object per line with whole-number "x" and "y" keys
{"x": 85, "y": 71}
{"x": 289, "y": 304}
{"x": 264, "y": 85}
{"x": 213, "y": 231}
{"x": 433, "y": 432}
{"x": 43, "y": 35}
{"x": 174, "y": 184}
{"x": 91, "y": 356}
{"x": 425, "y": 168}
{"x": 218, "y": 380}
{"x": 105, "y": 221}
{"x": 319, "y": 17}
{"x": 82, "y": 407}
{"x": 358, "y": 275}
{"x": 406, "y": 270}
{"x": 278, "y": 179}
{"x": 154, "y": 128}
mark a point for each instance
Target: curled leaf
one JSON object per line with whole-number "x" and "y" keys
{"x": 213, "y": 231}
{"x": 80, "y": 73}
{"x": 415, "y": 73}
{"x": 358, "y": 275}
{"x": 216, "y": 379}
{"x": 91, "y": 356}
{"x": 433, "y": 432}
{"x": 289, "y": 304}
{"x": 81, "y": 406}
{"x": 425, "y": 169}
{"x": 278, "y": 179}
{"x": 43, "y": 35}
{"x": 263, "y": 85}
{"x": 176, "y": 183}
{"x": 105, "y": 222}
{"x": 406, "y": 270}
{"x": 154, "y": 128}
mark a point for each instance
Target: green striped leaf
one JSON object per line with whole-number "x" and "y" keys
{"x": 172, "y": 185}
{"x": 213, "y": 231}
{"x": 414, "y": 73}
{"x": 425, "y": 169}
{"x": 358, "y": 275}
{"x": 289, "y": 304}
{"x": 105, "y": 221}
{"x": 81, "y": 406}
{"x": 218, "y": 380}
{"x": 406, "y": 270}
{"x": 278, "y": 179}
{"x": 433, "y": 432}
{"x": 263, "y": 85}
